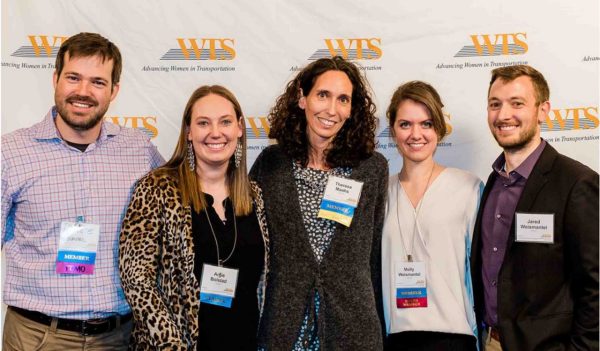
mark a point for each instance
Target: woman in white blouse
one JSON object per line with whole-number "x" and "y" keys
{"x": 431, "y": 212}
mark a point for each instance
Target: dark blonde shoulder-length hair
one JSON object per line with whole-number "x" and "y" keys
{"x": 425, "y": 94}
{"x": 178, "y": 166}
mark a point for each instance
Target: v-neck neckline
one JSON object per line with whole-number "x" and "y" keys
{"x": 431, "y": 186}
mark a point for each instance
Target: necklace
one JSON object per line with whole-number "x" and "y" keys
{"x": 409, "y": 257}
{"x": 219, "y": 261}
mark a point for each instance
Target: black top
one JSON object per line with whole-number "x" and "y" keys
{"x": 80, "y": 147}
{"x": 232, "y": 328}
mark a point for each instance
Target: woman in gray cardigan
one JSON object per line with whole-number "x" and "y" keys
{"x": 324, "y": 283}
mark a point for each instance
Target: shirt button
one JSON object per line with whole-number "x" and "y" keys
{"x": 498, "y": 216}
{"x": 493, "y": 283}
{"x": 495, "y": 249}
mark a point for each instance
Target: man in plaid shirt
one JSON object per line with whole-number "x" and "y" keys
{"x": 66, "y": 182}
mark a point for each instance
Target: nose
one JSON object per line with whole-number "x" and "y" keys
{"x": 416, "y": 132}
{"x": 83, "y": 88}
{"x": 214, "y": 131}
{"x": 505, "y": 112}
{"x": 332, "y": 107}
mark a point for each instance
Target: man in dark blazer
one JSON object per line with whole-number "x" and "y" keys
{"x": 535, "y": 246}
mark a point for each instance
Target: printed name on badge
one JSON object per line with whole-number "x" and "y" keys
{"x": 218, "y": 285}
{"x": 534, "y": 228}
{"x": 340, "y": 199}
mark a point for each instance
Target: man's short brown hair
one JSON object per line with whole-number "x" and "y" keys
{"x": 90, "y": 44}
{"x": 510, "y": 73}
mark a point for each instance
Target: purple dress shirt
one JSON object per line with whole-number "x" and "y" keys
{"x": 498, "y": 214}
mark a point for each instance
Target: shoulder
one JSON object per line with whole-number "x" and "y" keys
{"x": 375, "y": 165}
{"x": 160, "y": 179}
{"x": 21, "y": 151}
{"x": 129, "y": 136}
{"x": 377, "y": 159}
{"x": 272, "y": 152}
{"x": 565, "y": 167}
{"x": 462, "y": 177}
{"x": 393, "y": 184}
{"x": 573, "y": 168}
{"x": 16, "y": 140}
{"x": 272, "y": 161}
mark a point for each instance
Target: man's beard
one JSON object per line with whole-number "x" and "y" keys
{"x": 524, "y": 138}
{"x": 80, "y": 124}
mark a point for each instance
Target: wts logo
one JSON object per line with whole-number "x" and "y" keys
{"x": 41, "y": 46}
{"x": 503, "y": 44}
{"x": 351, "y": 49}
{"x": 257, "y": 127}
{"x": 146, "y": 124}
{"x": 202, "y": 49}
{"x": 571, "y": 119}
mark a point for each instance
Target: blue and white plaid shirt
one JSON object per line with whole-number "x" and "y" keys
{"x": 45, "y": 182}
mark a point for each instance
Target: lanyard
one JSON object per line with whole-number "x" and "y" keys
{"x": 219, "y": 262}
{"x": 409, "y": 256}
{"x": 85, "y": 189}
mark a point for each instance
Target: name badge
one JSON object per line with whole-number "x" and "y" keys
{"x": 77, "y": 248}
{"x": 218, "y": 285}
{"x": 411, "y": 284}
{"x": 340, "y": 199}
{"x": 534, "y": 228}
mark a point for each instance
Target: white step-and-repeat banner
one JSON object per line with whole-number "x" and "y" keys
{"x": 255, "y": 47}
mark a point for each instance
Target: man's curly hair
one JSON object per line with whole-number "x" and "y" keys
{"x": 356, "y": 139}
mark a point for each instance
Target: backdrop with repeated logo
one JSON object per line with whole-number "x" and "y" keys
{"x": 254, "y": 48}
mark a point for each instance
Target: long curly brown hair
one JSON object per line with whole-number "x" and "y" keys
{"x": 356, "y": 139}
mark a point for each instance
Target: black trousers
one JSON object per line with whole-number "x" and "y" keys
{"x": 429, "y": 341}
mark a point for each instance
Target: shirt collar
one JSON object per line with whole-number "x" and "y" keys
{"x": 525, "y": 168}
{"x": 46, "y": 130}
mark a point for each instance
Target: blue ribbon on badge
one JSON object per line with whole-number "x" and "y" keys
{"x": 409, "y": 293}
{"x": 77, "y": 257}
{"x": 217, "y": 300}
{"x": 343, "y": 209}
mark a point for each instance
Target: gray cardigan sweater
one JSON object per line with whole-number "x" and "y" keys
{"x": 348, "y": 279}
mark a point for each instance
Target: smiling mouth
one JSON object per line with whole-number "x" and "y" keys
{"x": 506, "y": 128}
{"x": 416, "y": 145}
{"x": 81, "y": 105}
{"x": 326, "y": 122}
{"x": 81, "y": 102}
{"x": 215, "y": 146}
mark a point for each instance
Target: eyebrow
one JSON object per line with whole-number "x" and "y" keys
{"x": 329, "y": 92}
{"x": 80, "y": 75}
{"x": 221, "y": 117}
{"x": 425, "y": 120}
{"x": 510, "y": 98}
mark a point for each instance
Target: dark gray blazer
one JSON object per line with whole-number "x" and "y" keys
{"x": 548, "y": 293}
{"x": 348, "y": 279}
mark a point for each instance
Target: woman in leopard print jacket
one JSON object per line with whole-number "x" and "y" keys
{"x": 197, "y": 213}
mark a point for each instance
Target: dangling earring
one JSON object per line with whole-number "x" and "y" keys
{"x": 190, "y": 156}
{"x": 238, "y": 154}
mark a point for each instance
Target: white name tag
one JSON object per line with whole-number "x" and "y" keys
{"x": 218, "y": 285}
{"x": 411, "y": 284}
{"x": 410, "y": 274}
{"x": 340, "y": 199}
{"x": 534, "y": 228}
{"x": 77, "y": 248}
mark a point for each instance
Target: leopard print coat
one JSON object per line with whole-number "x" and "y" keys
{"x": 156, "y": 262}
